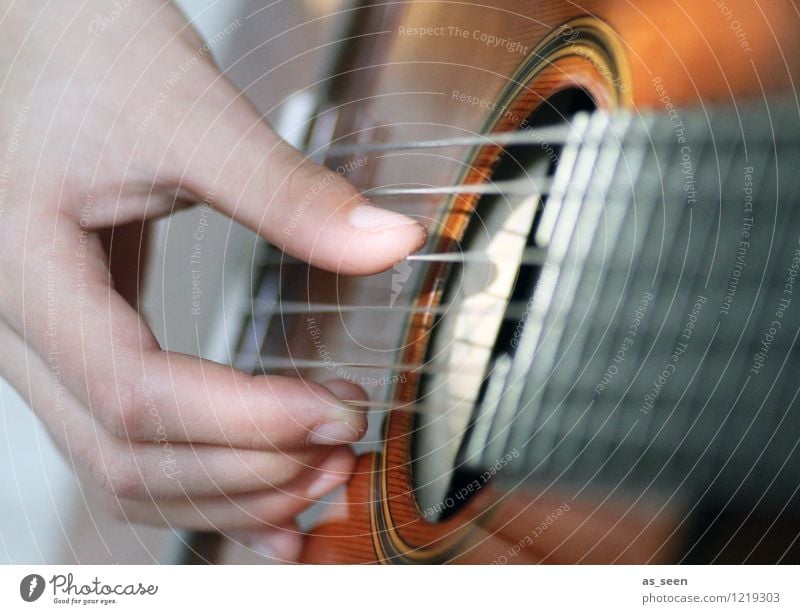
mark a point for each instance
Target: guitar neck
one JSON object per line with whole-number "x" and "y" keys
{"x": 660, "y": 353}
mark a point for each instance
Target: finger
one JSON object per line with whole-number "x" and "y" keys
{"x": 353, "y": 394}
{"x": 97, "y": 346}
{"x": 304, "y": 209}
{"x": 251, "y": 512}
{"x": 163, "y": 471}
{"x": 189, "y": 400}
{"x": 155, "y": 469}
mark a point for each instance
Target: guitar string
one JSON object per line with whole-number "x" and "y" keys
{"x": 512, "y": 310}
{"x": 512, "y": 187}
{"x": 529, "y": 257}
{"x": 281, "y": 362}
{"x": 533, "y": 256}
{"x": 555, "y": 135}
{"x": 505, "y": 138}
{"x": 482, "y": 189}
{"x": 414, "y": 407}
{"x": 551, "y": 135}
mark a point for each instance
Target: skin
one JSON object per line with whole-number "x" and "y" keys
{"x": 74, "y": 112}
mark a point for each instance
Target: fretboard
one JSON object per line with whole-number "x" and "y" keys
{"x": 660, "y": 353}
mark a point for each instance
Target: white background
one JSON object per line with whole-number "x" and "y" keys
{"x": 416, "y": 588}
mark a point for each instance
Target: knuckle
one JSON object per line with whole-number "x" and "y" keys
{"x": 122, "y": 411}
{"x": 132, "y": 422}
{"x": 283, "y": 470}
{"x": 306, "y": 179}
{"x": 305, "y": 184}
{"x": 119, "y": 476}
{"x": 279, "y": 425}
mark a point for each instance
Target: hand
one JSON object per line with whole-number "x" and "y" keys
{"x": 113, "y": 127}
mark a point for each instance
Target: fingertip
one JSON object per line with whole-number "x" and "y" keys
{"x": 382, "y": 239}
{"x": 349, "y": 424}
{"x": 333, "y": 472}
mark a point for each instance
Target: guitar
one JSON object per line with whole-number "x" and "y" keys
{"x": 593, "y": 360}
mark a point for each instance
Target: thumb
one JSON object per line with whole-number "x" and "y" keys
{"x": 306, "y": 210}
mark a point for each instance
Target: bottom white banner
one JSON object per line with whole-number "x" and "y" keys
{"x": 368, "y": 589}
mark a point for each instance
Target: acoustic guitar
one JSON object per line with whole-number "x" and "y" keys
{"x": 594, "y": 360}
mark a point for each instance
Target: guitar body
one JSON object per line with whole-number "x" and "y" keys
{"x": 422, "y": 70}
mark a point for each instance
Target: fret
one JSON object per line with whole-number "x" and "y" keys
{"x": 496, "y": 444}
{"x": 724, "y": 393}
{"x": 761, "y": 394}
{"x": 622, "y": 280}
{"x": 578, "y": 329}
{"x": 678, "y": 270}
{"x": 571, "y": 237}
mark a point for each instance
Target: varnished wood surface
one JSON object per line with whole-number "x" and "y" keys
{"x": 402, "y": 87}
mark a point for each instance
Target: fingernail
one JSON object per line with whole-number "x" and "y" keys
{"x": 367, "y": 217}
{"x": 331, "y": 476}
{"x": 334, "y": 434}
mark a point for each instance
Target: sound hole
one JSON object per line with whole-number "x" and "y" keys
{"x": 486, "y": 303}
